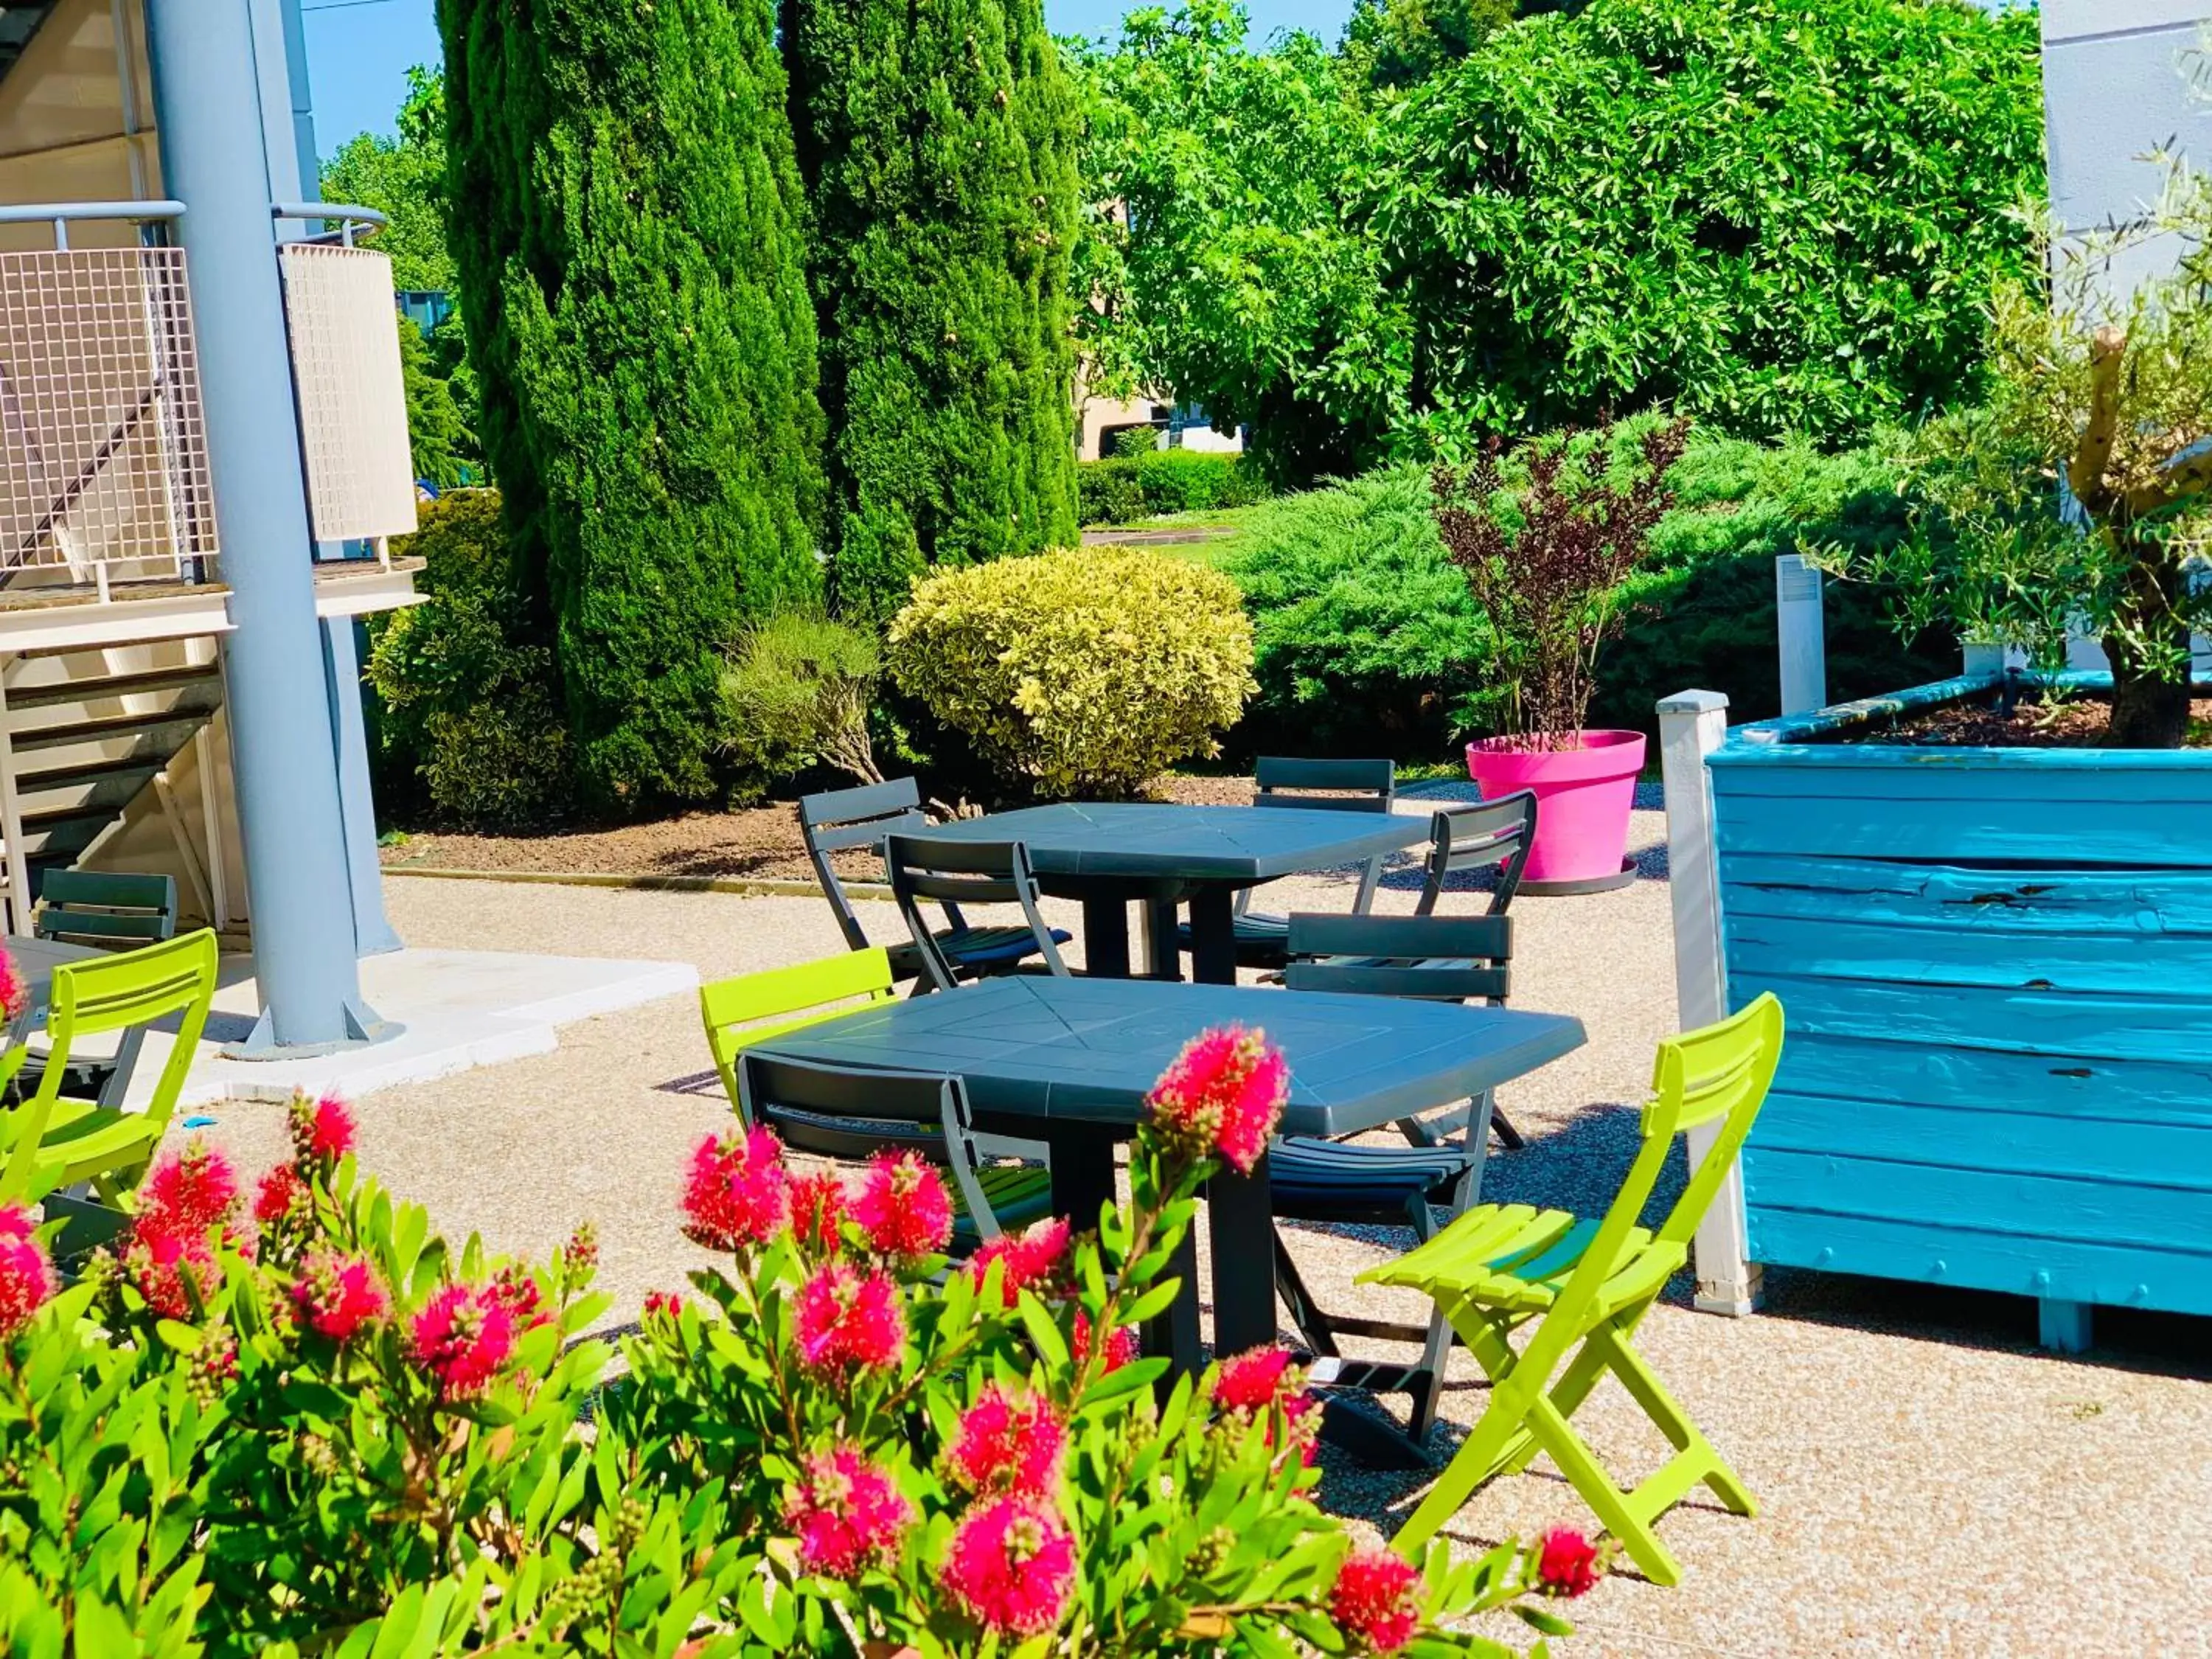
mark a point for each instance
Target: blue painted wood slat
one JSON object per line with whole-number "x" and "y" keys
{"x": 1929, "y": 1250}
{"x": 2009, "y": 1141}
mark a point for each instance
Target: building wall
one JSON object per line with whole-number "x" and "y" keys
{"x": 2117, "y": 83}
{"x": 77, "y": 121}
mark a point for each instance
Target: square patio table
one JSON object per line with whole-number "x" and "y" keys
{"x": 1107, "y": 854}
{"x": 1067, "y": 1062}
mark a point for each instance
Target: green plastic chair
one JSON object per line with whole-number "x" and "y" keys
{"x": 53, "y": 1140}
{"x": 837, "y": 1114}
{"x": 1500, "y": 1266}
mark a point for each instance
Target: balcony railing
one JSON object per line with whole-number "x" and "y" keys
{"x": 103, "y": 472}
{"x": 103, "y": 444}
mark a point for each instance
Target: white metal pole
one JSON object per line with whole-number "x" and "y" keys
{"x": 1692, "y": 725}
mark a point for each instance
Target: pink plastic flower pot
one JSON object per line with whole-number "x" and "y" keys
{"x": 1583, "y": 800}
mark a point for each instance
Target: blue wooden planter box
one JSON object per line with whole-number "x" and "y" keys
{"x": 1998, "y": 965}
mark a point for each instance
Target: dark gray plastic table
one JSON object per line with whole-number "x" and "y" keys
{"x": 1067, "y": 1062}
{"x": 1109, "y": 854}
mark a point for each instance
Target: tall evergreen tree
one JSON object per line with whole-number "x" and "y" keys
{"x": 938, "y": 141}
{"x": 625, "y": 217}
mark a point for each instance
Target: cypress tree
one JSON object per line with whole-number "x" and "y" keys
{"x": 937, "y": 142}
{"x": 625, "y": 211}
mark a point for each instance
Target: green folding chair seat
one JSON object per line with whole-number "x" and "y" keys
{"x": 54, "y": 1140}
{"x": 1585, "y": 1286}
{"x": 838, "y": 1113}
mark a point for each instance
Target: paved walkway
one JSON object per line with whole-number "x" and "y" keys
{"x": 1931, "y": 1483}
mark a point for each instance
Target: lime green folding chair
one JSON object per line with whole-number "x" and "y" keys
{"x": 1501, "y": 1266}
{"x": 838, "y": 1113}
{"x": 55, "y": 1140}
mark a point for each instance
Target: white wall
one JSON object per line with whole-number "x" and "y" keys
{"x": 2114, "y": 86}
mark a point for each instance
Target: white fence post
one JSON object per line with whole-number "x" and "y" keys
{"x": 1692, "y": 725}
{"x": 1801, "y": 635}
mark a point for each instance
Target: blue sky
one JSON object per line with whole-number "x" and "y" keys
{"x": 358, "y": 51}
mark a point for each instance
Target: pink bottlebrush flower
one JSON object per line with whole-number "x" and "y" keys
{"x": 15, "y": 989}
{"x": 1011, "y": 1566}
{"x": 849, "y": 1514}
{"x": 1120, "y": 1345}
{"x": 1254, "y": 1383}
{"x": 1373, "y": 1601}
{"x": 1252, "y": 1380}
{"x": 818, "y": 1209}
{"x": 27, "y": 1273}
{"x": 514, "y": 1289}
{"x": 903, "y": 1206}
{"x": 1036, "y": 1258}
{"x": 848, "y": 1322}
{"x": 664, "y": 1305}
{"x": 322, "y": 1130}
{"x": 1009, "y": 1444}
{"x": 1223, "y": 1093}
{"x": 280, "y": 1191}
{"x": 580, "y": 1254}
{"x": 192, "y": 1190}
{"x": 1568, "y": 1564}
{"x": 170, "y": 1262}
{"x": 738, "y": 1194}
{"x": 463, "y": 1336}
{"x": 336, "y": 1296}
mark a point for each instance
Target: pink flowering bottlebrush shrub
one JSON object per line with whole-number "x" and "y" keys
{"x": 280, "y": 1411}
{"x": 952, "y": 1461}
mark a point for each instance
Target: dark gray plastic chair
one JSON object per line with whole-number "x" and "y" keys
{"x": 850, "y": 1115}
{"x": 1494, "y": 834}
{"x": 1445, "y": 959}
{"x": 951, "y": 874}
{"x": 837, "y": 819}
{"x": 1327, "y": 786}
{"x": 108, "y": 910}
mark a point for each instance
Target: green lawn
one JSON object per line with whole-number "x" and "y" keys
{"x": 1217, "y": 551}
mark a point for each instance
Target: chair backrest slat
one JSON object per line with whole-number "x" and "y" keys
{"x": 1494, "y": 834}
{"x": 837, "y": 820}
{"x": 107, "y": 909}
{"x": 1327, "y": 786}
{"x": 1439, "y": 958}
{"x": 950, "y": 872}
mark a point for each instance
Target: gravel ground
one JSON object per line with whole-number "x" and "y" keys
{"x": 1929, "y": 1480}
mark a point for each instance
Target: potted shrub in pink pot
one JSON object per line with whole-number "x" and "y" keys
{"x": 1548, "y": 536}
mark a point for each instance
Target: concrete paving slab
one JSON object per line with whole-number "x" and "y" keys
{"x": 456, "y": 1009}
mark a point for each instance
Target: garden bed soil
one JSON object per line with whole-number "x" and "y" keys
{"x": 2076, "y": 723}
{"x": 758, "y": 843}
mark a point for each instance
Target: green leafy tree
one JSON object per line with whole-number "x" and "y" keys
{"x": 404, "y": 180}
{"x": 1230, "y": 262}
{"x": 2102, "y": 380}
{"x": 626, "y": 227}
{"x": 1779, "y": 215}
{"x": 1395, "y": 43}
{"x": 939, "y": 148}
{"x": 437, "y": 438}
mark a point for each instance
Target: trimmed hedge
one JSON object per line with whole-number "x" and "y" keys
{"x": 1128, "y": 488}
{"x": 1365, "y": 640}
{"x": 1080, "y": 672}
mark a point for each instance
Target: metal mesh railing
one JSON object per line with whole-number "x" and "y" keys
{"x": 103, "y": 446}
{"x": 345, "y": 330}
